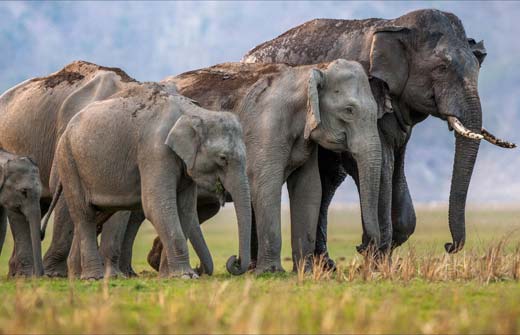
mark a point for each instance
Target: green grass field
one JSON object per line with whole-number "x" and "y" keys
{"x": 422, "y": 291}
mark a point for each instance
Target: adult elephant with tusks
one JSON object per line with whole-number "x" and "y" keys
{"x": 419, "y": 64}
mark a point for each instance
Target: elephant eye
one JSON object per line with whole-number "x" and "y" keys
{"x": 24, "y": 192}
{"x": 349, "y": 110}
{"x": 222, "y": 159}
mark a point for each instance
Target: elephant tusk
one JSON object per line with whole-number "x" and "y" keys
{"x": 461, "y": 130}
{"x": 496, "y": 141}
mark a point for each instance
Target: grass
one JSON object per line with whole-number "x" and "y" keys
{"x": 422, "y": 291}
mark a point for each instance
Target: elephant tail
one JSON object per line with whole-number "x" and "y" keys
{"x": 54, "y": 201}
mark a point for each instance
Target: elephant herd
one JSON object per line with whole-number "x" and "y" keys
{"x": 326, "y": 99}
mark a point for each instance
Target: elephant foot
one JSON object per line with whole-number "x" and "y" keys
{"x": 379, "y": 257}
{"x": 252, "y": 265}
{"x": 20, "y": 268}
{"x": 327, "y": 263}
{"x": 92, "y": 275}
{"x": 114, "y": 272}
{"x": 129, "y": 272}
{"x": 93, "y": 269}
{"x": 182, "y": 273}
{"x": 273, "y": 267}
{"x": 21, "y": 273}
{"x": 189, "y": 276}
{"x": 57, "y": 269}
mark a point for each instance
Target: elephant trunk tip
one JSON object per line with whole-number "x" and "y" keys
{"x": 204, "y": 270}
{"x": 235, "y": 266}
{"x": 453, "y": 248}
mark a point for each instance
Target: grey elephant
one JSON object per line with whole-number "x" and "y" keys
{"x": 33, "y": 116}
{"x": 20, "y": 190}
{"x": 419, "y": 64}
{"x": 286, "y": 112}
{"x": 147, "y": 148}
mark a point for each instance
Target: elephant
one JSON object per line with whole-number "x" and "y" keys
{"x": 33, "y": 115}
{"x": 286, "y": 111}
{"x": 419, "y": 64}
{"x": 146, "y": 148}
{"x": 20, "y": 190}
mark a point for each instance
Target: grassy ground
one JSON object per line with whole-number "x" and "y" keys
{"x": 422, "y": 291}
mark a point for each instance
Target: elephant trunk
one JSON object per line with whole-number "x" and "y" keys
{"x": 238, "y": 186}
{"x": 369, "y": 170}
{"x": 466, "y": 150}
{"x": 33, "y": 216}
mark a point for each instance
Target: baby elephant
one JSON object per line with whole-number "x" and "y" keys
{"x": 149, "y": 148}
{"x": 20, "y": 190}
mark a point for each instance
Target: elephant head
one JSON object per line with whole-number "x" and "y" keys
{"x": 432, "y": 68}
{"x": 342, "y": 116}
{"x": 20, "y": 190}
{"x": 211, "y": 146}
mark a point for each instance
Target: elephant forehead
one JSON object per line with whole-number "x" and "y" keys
{"x": 224, "y": 130}
{"x": 21, "y": 166}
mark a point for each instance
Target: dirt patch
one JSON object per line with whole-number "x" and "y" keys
{"x": 313, "y": 39}
{"x": 78, "y": 70}
{"x": 227, "y": 77}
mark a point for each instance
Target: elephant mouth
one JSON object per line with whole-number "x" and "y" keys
{"x": 335, "y": 146}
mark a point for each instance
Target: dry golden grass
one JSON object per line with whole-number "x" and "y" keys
{"x": 422, "y": 290}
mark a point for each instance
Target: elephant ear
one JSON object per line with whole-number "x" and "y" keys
{"x": 316, "y": 82}
{"x": 388, "y": 59}
{"x": 185, "y": 138}
{"x": 479, "y": 50}
{"x": 383, "y": 99}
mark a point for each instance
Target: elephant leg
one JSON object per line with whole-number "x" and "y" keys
{"x": 266, "y": 193}
{"x": 187, "y": 207}
{"x": 304, "y": 187}
{"x": 55, "y": 259}
{"x": 385, "y": 197}
{"x": 164, "y": 268}
{"x": 85, "y": 229}
{"x": 125, "y": 262}
{"x": 159, "y": 187}
{"x": 3, "y": 227}
{"x": 74, "y": 259}
{"x": 403, "y": 212}
{"x": 332, "y": 174}
{"x": 254, "y": 241}
{"x": 112, "y": 236}
{"x": 91, "y": 261}
{"x": 21, "y": 262}
{"x": 204, "y": 212}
